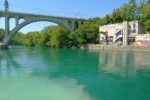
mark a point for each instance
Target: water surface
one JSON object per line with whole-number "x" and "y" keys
{"x": 73, "y": 74}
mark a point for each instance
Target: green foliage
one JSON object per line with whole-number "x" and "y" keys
{"x": 128, "y": 11}
{"x": 146, "y": 15}
{"x": 46, "y": 35}
{"x": 117, "y": 16}
{"x": 109, "y": 18}
{"x": 98, "y": 21}
{"x": 87, "y": 33}
{"x": 17, "y": 39}
{"x": 56, "y": 36}
{"x": 30, "y": 39}
{"x": 146, "y": 11}
{"x": 131, "y": 10}
{"x": 147, "y": 25}
{"x": 51, "y": 36}
{"x": 60, "y": 37}
{"x": 72, "y": 40}
{"x": 2, "y": 31}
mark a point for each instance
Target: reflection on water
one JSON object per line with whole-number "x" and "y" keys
{"x": 117, "y": 62}
{"x": 8, "y": 66}
{"x": 18, "y": 84}
{"x": 123, "y": 63}
{"x": 73, "y": 74}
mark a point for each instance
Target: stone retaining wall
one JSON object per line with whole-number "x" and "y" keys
{"x": 108, "y": 47}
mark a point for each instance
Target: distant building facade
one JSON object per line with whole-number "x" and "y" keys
{"x": 120, "y": 33}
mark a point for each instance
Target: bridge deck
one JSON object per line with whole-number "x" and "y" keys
{"x": 13, "y": 14}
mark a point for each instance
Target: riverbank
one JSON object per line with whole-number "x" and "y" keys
{"x": 114, "y": 47}
{"x": 2, "y": 46}
{"x": 103, "y": 47}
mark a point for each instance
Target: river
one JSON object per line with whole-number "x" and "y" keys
{"x": 73, "y": 74}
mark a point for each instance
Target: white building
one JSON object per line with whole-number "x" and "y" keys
{"x": 120, "y": 33}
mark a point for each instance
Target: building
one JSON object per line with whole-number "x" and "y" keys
{"x": 120, "y": 33}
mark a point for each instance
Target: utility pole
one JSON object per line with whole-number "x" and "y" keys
{"x": 78, "y": 14}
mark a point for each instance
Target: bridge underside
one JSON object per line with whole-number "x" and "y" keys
{"x": 68, "y": 23}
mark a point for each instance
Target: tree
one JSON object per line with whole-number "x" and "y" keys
{"x": 72, "y": 40}
{"x": 2, "y": 31}
{"x": 56, "y": 36}
{"x": 37, "y": 39}
{"x": 87, "y": 33}
{"x": 28, "y": 40}
{"x": 146, "y": 11}
{"x": 131, "y": 11}
{"x": 147, "y": 25}
{"x": 46, "y": 35}
{"x": 17, "y": 39}
{"x": 146, "y": 15}
{"x": 109, "y": 18}
{"x": 117, "y": 16}
{"x": 98, "y": 21}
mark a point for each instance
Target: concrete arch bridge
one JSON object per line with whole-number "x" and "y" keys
{"x": 69, "y": 23}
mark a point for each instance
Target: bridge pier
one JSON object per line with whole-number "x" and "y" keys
{"x": 7, "y": 26}
{"x": 3, "y": 46}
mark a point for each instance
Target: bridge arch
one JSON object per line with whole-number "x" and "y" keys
{"x": 19, "y": 26}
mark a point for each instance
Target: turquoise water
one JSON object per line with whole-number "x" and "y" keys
{"x": 73, "y": 74}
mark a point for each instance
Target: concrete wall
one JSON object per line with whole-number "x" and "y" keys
{"x": 107, "y": 47}
{"x": 142, "y": 40}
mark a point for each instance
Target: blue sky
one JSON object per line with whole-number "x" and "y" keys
{"x": 68, "y": 8}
